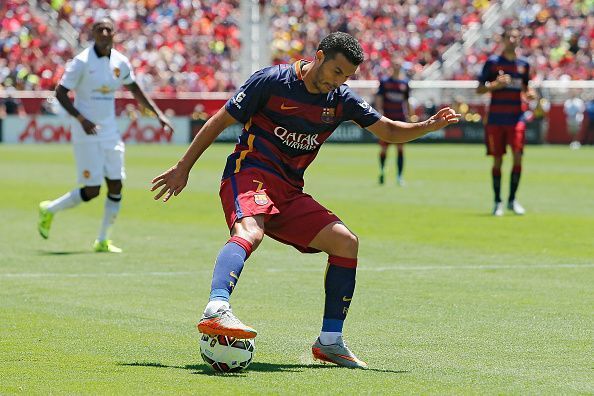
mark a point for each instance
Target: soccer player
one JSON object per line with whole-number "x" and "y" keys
{"x": 94, "y": 75}
{"x": 574, "y": 108}
{"x": 391, "y": 100}
{"x": 288, "y": 111}
{"x": 506, "y": 77}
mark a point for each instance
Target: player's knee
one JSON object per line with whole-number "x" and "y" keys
{"x": 114, "y": 186}
{"x": 89, "y": 192}
{"x": 253, "y": 236}
{"x": 347, "y": 245}
{"x": 250, "y": 229}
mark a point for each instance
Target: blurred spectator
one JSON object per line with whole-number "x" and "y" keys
{"x": 574, "y": 108}
{"x": 11, "y": 105}
{"x": 429, "y": 108}
{"x": 199, "y": 114}
{"x": 49, "y": 106}
{"x": 130, "y": 111}
{"x": 589, "y": 130}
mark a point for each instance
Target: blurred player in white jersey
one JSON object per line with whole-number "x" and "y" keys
{"x": 95, "y": 74}
{"x": 574, "y": 109}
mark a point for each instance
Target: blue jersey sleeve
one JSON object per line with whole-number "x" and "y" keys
{"x": 358, "y": 110}
{"x": 251, "y": 97}
{"x": 486, "y": 73}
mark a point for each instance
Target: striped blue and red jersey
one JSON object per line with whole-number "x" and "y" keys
{"x": 506, "y": 103}
{"x": 285, "y": 125}
{"x": 395, "y": 94}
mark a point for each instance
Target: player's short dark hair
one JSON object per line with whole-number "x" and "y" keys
{"x": 509, "y": 29}
{"x": 342, "y": 43}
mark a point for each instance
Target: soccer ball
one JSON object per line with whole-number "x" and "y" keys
{"x": 226, "y": 354}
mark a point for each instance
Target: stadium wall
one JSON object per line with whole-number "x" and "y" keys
{"x": 43, "y": 129}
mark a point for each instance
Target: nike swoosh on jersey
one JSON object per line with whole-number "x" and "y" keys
{"x": 283, "y": 107}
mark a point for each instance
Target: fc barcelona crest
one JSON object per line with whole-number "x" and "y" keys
{"x": 260, "y": 199}
{"x": 521, "y": 69}
{"x": 116, "y": 72}
{"x": 328, "y": 115}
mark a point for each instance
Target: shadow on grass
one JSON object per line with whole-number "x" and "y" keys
{"x": 260, "y": 367}
{"x": 63, "y": 253}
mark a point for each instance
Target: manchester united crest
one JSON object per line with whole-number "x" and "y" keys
{"x": 116, "y": 72}
{"x": 328, "y": 115}
{"x": 260, "y": 199}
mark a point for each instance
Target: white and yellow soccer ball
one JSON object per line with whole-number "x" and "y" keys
{"x": 226, "y": 354}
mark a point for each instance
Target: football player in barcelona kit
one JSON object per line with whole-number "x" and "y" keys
{"x": 287, "y": 112}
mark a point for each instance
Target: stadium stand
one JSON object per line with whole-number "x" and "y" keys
{"x": 174, "y": 45}
{"x": 194, "y": 46}
{"x": 32, "y": 55}
{"x": 558, "y": 40}
{"x": 418, "y": 31}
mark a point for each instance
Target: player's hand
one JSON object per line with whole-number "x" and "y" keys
{"x": 171, "y": 182}
{"x": 89, "y": 127}
{"x": 443, "y": 118}
{"x": 165, "y": 123}
{"x": 502, "y": 81}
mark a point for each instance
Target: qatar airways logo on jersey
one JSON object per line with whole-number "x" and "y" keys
{"x": 299, "y": 141}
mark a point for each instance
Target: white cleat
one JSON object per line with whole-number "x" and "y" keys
{"x": 516, "y": 207}
{"x": 498, "y": 209}
{"x": 400, "y": 181}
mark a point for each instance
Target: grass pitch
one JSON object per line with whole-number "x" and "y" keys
{"x": 449, "y": 299}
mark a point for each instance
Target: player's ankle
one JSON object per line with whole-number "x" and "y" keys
{"x": 329, "y": 337}
{"x": 214, "y": 305}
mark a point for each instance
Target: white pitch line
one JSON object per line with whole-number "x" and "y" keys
{"x": 371, "y": 269}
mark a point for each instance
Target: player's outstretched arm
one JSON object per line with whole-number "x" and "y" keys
{"x": 172, "y": 181}
{"x": 401, "y": 132}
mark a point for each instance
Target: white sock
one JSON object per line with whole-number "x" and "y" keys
{"x": 329, "y": 337}
{"x": 214, "y": 306}
{"x": 112, "y": 208}
{"x": 66, "y": 201}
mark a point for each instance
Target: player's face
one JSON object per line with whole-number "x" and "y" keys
{"x": 396, "y": 69}
{"x": 332, "y": 73}
{"x": 103, "y": 34}
{"x": 511, "y": 40}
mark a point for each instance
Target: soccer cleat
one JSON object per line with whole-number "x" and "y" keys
{"x": 516, "y": 207}
{"x": 105, "y": 247}
{"x": 45, "y": 219}
{"x": 223, "y": 322}
{"x": 337, "y": 353}
{"x": 381, "y": 178}
{"x": 498, "y": 209}
{"x": 400, "y": 181}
